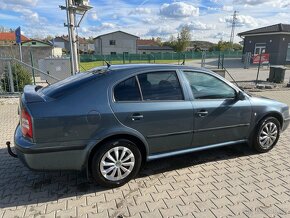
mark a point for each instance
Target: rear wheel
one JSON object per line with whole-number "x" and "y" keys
{"x": 116, "y": 163}
{"x": 266, "y": 135}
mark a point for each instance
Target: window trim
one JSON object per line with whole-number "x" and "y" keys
{"x": 176, "y": 71}
{"x": 112, "y": 40}
{"x": 210, "y": 74}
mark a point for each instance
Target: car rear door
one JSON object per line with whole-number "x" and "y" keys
{"x": 154, "y": 104}
{"x": 219, "y": 117}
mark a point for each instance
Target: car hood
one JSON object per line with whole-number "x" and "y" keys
{"x": 263, "y": 101}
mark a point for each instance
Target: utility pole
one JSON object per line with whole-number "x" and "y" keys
{"x": 73, "y": 8}
{"x": 233, "y": 28}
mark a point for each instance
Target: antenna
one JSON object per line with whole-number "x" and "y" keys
{"x": 108, "y": 64}
{"x": 233, "y": 28}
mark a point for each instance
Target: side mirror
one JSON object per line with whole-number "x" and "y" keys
{"x": 240, "y": 96}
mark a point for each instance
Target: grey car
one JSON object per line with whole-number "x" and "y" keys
{"x": 110, "y": 120}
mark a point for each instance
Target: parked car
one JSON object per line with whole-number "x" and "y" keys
{"x": 110, "y": 120}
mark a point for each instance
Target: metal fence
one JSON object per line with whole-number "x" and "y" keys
{"x": 153, "y": 57}
{"x": 15, "y": 74}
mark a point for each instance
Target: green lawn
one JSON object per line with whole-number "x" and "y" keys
{"x": 89, "y": 65}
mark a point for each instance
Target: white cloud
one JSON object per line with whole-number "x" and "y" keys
{"x": 242, "y": 20}
{"x": 252, "y": 2}
{"x": 21, "y": 2}
{"x": 161, "y": 31}
{"x": 141, "y": 10}
{"x": 228, "y": 8}
{"x": 197, "y": 25}
{"x": 179, "y": 10}
{"x": 220, "y": 36}
{"x": 93, "y": 15}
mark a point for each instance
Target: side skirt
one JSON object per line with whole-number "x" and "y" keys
{"x": 185, "y": 151}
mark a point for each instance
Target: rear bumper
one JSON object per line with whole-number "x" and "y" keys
{"x": 39, "y": 157}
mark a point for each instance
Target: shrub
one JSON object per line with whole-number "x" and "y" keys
{"x": 21, "y": 77}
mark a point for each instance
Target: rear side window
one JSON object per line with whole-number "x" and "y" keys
{"x": 160, "y": 86}
{"x": 127, "y": 90}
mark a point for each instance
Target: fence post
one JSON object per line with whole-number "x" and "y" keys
{"x": 10, "y": 75}
{"x": 33, "y": 75}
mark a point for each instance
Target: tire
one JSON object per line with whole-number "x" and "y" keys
{"x": 107, "y": 168}
{"x": 266, "y": 135}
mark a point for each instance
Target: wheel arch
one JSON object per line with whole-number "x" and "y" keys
{"x": 274, "y": 114}
{"x": 139, "y": 143}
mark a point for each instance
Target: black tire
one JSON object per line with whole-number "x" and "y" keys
{"x": 102, "y": 153}
{"x": 257, "y": 144}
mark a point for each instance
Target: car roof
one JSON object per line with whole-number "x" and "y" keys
{"x": 134, "y": 67}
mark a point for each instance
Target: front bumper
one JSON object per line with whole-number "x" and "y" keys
{"x": 49, "y": 157}
{"x": 285, "y": 123}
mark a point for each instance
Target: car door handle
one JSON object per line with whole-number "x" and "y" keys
{"x": 135, "y": 117}
{"x": 202, "y": 113}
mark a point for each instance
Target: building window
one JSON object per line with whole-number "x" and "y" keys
{"x": 113, "y": 53}
{"x": 260, "y": 48}
{"x": 288, "y": 53}
{"x": 33, "y": 43}
{"x": 112, "y": 42}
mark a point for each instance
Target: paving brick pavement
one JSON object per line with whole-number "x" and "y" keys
{"x": 225, "y": 182}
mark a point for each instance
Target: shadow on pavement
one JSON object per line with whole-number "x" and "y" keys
{"x": 21, "y": 186}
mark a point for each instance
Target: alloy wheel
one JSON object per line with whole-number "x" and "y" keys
{"x": 117, "y": 163}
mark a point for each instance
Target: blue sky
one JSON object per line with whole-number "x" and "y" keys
{"x": 207, "y": 19}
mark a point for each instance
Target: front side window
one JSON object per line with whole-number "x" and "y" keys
{"x": 112, "y": 42}
{"x": 206, "y": 86}
{"x": 160, "y": 86}
{"x": 127, "y": 90}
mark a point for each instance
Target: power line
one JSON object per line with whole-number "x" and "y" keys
{"x": 233, "y": 27}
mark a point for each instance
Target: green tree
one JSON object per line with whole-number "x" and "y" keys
{"x": 226, "y": 46}
{"x": 180, "y": 43}
{"x": 21, "y": 77}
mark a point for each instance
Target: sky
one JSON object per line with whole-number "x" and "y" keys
{"x": 208, "y": 20}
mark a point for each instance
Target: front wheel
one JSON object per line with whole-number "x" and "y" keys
{"x": 266, "y": 135}
{"x": 116, "y": 163}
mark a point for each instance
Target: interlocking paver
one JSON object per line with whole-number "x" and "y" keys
{"x": 229, "y": 182}
{"x": 156, "y": 205}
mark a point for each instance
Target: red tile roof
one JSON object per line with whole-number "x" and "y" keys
{"x": 10, "y": 36}
{"x": 146, "y": 42}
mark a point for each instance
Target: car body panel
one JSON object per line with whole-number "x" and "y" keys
{"x": 74, "y": 118}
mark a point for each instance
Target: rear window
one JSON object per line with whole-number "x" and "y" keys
{"x": 59, "y": 88}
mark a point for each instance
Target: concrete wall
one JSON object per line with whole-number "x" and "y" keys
{"x": 276, "y": 46}
{"x": 37, "y": 53}
{"x": 124, "y": 43}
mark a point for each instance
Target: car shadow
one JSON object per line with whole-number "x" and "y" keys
{"x": 20, "y": 186}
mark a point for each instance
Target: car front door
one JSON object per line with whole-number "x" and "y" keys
{"x": 154, "y": 104}
{"x": 219, "y": 117}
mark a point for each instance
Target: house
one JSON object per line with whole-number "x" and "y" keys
{"x": 9, "y": 38}
{"x": 38, "y": 44}
{"x": 117, "y": 42}
{"x": 62, "y": 42}
{"x": 274, "y": 40}
{"x": 148, "y": 46}
{"x": 85, "y": 46}
{"x": 148, "y": 49}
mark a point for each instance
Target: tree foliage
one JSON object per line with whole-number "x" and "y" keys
{"x": 182, "y": 41}
{"x": 226, "y": 46}
{"x": 21, "y": 77}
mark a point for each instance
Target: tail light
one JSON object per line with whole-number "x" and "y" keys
{"x": 26, "y": 124}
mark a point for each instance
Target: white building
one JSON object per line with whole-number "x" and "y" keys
{"x": 117, "y": 42}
